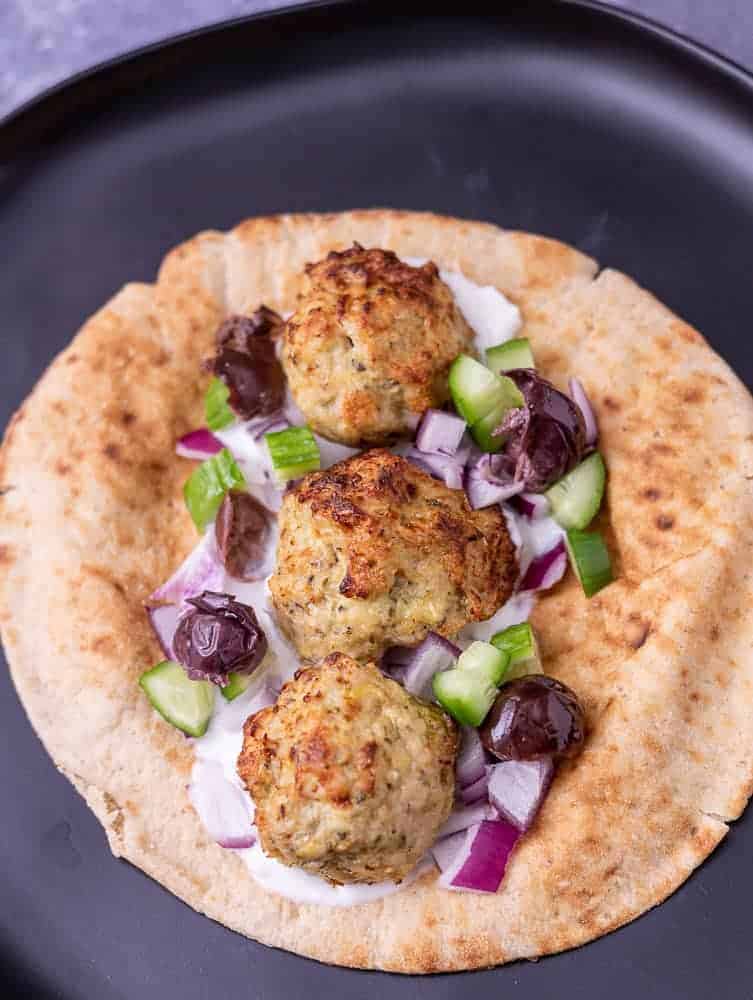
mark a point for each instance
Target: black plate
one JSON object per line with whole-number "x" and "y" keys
{"x": 600, "y": 129}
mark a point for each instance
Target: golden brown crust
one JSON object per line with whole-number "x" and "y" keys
{"x": 370, "y": 344}
{"x": 351, "y": 775}
{"x": 389, "y": 554}
{"x": 660, "y": 658}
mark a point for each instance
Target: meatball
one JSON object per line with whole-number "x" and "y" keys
{"x": 370, "y": 344}
{"x": 373, "y": 553}
{"x": 352, "y": 777}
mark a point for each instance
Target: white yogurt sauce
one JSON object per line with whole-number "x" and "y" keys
{"x": 491, "y": 316}
{"x": 494, "y": 319}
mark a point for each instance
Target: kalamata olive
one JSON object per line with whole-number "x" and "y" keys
{"x": 546, "y": 437}
{"x": 236, "y": 330}
{"x": 246, "y": 361}
{"x": 243, "y": 529}
{"x": 532, "y": 717}
{"x": 218, "y": 636}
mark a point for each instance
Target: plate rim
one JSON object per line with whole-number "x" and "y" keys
{"x": 15, "y": 119}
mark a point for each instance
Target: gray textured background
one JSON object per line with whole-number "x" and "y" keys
{"x": 44, "y": 41}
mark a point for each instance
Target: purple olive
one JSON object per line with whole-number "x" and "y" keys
{"x": 546, "y": 437}
{"x": 236, "y": 330}
{"x": 246, "y": 361}
{"x": 217, "y": 637}
{"x": 242, "y": 529}
{"x": 534, "y": 717}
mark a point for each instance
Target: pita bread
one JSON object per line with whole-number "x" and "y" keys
{"x": 92, "y": 518}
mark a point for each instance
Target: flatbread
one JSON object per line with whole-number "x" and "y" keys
{"x": 92, "y": 519}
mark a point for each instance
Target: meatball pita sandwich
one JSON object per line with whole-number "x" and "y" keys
{"x": 434, "y": 541}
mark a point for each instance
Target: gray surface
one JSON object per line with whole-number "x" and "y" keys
{"x": 44, "y": 41}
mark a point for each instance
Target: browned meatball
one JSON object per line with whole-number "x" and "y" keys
{"x": 370, "y": 344}
{"x": 373, "y": 552}
{"x": 352, "y": 776}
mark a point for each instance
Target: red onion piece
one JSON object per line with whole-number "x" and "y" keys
{"x": 464, "y": 816}
{"x": 487, "y": 482}
{"x": 581, "y": 400}
{"x": 531, "y": 505}
{"x": 517, "y": 789}
{"x": 475, "y": 792}
{"x": 163, "y": 618}
{"x": 201, "y": 570}
{"x": 440, "y": 432}
{"x": 267, "y": 425}
{"x": 222, "y": 807}
{"x": 471, "y": 761}
{"x": 198, "y": 444}
{"x": 444, "y": 467}
{"x": 445, "y": 850}
{"x": 481, "y": 859}
{"x": 545, "y": 570}
{"x": 428, "y": 658}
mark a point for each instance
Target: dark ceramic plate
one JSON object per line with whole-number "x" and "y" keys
{"x": 600, "y": 129}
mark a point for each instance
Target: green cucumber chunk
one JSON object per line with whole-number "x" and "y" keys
{"x": 184, "y": 703}
{"x": 237, "y": 684}
{"x": 482, "y": 431}
{"x": 575, "y": 499}
{"x": 465, "y": 694}
{"x": 485, "y": 660}
{"x": 205, "y": 489}
{"x": 519, "y": 642}
{"x": 216, "y": 407}
{"x": 294, "y": 452}
{"x": 512, "y": 354}
{"x": 476, "y": 391}
{"x": 589, "y": 558}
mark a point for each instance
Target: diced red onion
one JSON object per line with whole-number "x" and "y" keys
{"x": 481, "y": 859}
{"x": 199, "y": 444}
{"x": 428, "y": 658}
{"x": 531, "y": 505}
{"x": 267, "y": 425}
{"x": 445, "y": 850}
{"x": 581, "y": 400}
{"x": 163, "y": 618}
{"x": 545, "y": 570}
{"x": 444, "y": 467}
{"x": 518, "y": 787}
{"x": 486, "y": 483}
{"x": 485, "y": 494}
{"x": 201, "y": 570}
{"x": 475, "y": 792}
{"x": 471, "y": 761}
{"x": 464, "y": 816}
{"x": 440, "y": 432}
{"x": 221, "y": 806}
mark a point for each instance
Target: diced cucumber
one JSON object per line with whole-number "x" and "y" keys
{"x": 207, "y": 485}
{"x": 294, "y": 452}
{"x": 184, "y": 703}
{"x": 476, "y": 390}
{"x": 216, "y": 407}
{"x": 519, "y": 642}
{"x": 575, "y": 499}
{"x": 589, "y": 558}
{"x": 236, "y": 685}
{"x": 482, "y": 431}
{"x": 512, "y": 354}
{"x": 486, "y": 660}
{"x": 465, "y": 694}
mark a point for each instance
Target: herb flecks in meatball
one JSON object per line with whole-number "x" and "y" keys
{"x": 373, "y": 553}
{"x": 370, "y": 344}
{"x": 352, "y": 777}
